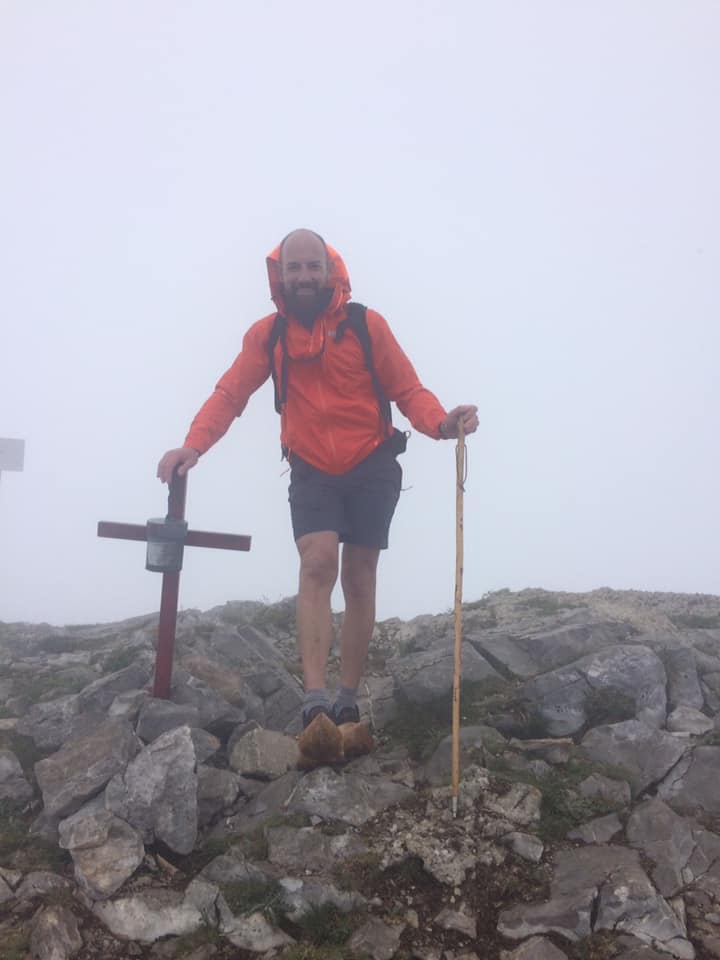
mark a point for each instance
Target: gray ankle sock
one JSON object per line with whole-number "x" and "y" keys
{"x": 346, "y": 697}
{"x": 316, "y": 698}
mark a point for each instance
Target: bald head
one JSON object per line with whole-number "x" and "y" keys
{"x": 304, "y": 273}
{"x": 302, "y": 239}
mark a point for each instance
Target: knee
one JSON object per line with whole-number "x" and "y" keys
{"x": 358, "y": 582}
{"x": 318, "y": 568}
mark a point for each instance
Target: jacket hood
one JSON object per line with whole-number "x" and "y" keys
{"x": 338, "y": 280}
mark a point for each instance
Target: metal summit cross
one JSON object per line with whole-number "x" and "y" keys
{"x": 166, "y": 539}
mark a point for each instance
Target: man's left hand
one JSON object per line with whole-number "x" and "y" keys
{"x": 467, "y": 414}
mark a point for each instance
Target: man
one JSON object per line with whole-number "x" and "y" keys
{"x": 345, "y": 478}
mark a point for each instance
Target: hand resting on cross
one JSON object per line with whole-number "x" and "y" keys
{"x": 181, "y": 459}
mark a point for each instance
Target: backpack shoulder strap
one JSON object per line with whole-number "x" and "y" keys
{"x": 277, "y": 332}
{"x": 357, "y": 321}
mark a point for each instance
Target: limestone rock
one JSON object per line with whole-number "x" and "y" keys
{"x": 536, "y": 948}
{"x": 427, "y": 676}
{"x": 345, "y": 797}
{"x": 157, "y": 793}
{"x": 598, "y": 830}
{"x": 616, "y": 793}
{"x": 695, "y": 788}
{"x": 254, "y": 933}
{"x": 683, "y": 681}
{"x": 218, "y": 790}
{"x": 159, "y": 912}
{"x": 13, "y": 785}
{"x": 304, "y": 850}
{"x": 266, "y": 754}
{"x": 686, "y": 719}
{"x": 54, "y": 934}
{"x": 646, "y": 753}
{"x": 82, "y": 768}
{"x": 106, "y": 851}
{"x": 376, "y": 938}
{"x": 157, "y": 716}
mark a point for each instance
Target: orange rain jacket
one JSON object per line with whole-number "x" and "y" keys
{"x": 331, "y": 418}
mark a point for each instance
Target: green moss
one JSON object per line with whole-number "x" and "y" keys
{"x": 249, "y": 896}
{"x": 119, "y": 659}
{"x": 15, "y": 944}
{"x": 361, "y": 873}
{"x": 326, "y": 925}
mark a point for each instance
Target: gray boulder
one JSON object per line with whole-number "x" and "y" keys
{"x": 106, "y": 851}
{"x": 347, "y": 797}
{"x": 428, "y": 675}
{"x": 266, "y": 754}
{"x": 54, "y": 934}
{"x": 157, "y": 793}
{"x": 645, "y": 753}
{"x": 158, "y": 716}
{"x": 84, "y": 766}
{"x": 695, "y": 788}
{"x": 160, "y": 912}
{"x": 13, "y": 785}
{"x": 683, "y": 681}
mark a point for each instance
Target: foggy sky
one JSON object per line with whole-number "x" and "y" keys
{"x": 528, "y": 192}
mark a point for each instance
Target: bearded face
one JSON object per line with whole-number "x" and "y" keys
{"x": 304, "y": 272}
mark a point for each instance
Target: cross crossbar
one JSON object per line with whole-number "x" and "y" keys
{"x": 171, "y": 577}
{"x": 193, "y": 538}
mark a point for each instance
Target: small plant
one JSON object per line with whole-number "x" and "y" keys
{"x": 207, "y": 934}
{"x": 249, "y": 896}
{"x": 562, "y": 808}
{"x": 326, "y": 925}
{"x": 361, "y": 873}
{"x": 119, "y": 659}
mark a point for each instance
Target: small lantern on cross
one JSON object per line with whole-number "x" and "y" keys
{"x": 166, "y": 540}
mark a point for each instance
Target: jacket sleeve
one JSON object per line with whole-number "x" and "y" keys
{"x": 400, "y": 381}
{"x": 249, "y": 371}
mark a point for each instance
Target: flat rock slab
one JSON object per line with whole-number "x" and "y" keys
{"x": 610, "y": 882}
{"x": 378, "y": 939}
{"x": 599, "y": 830}
{"x": 82, "y": 768}
{"x": 345, "y": 797}
{"x": 633, "y": 670}
{"x": 683, "y": 681}
{"x": 696, "y": 789}
{"x": 645, "y": 753}
{"x": 305, "y": 850}
{"x": 537, "y": 652}
{"x": 536, "y": 948}
{"x": 427, "y": 676}
{"x": 159, "y": 912}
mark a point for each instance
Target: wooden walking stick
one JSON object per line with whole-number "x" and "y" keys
{"x": 459, "y": 490}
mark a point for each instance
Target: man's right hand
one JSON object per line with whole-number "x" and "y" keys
{"x": 181, "y": 459}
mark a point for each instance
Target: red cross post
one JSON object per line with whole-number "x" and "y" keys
{"x": 166, "y": 539}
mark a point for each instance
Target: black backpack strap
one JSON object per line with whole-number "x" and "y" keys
{"x": 279, "y": 383}
{"x": 357, "y": 321}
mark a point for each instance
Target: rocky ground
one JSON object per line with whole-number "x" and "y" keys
{"x": 588, "y": 821}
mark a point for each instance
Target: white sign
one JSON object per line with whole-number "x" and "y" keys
{"x": 12, "y": 454}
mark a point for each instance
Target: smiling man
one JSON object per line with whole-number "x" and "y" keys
{"x": 336, "y": 368}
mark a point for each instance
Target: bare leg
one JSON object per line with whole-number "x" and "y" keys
{"x": 358, "y": 577}
{"x": 318, "y": 573}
